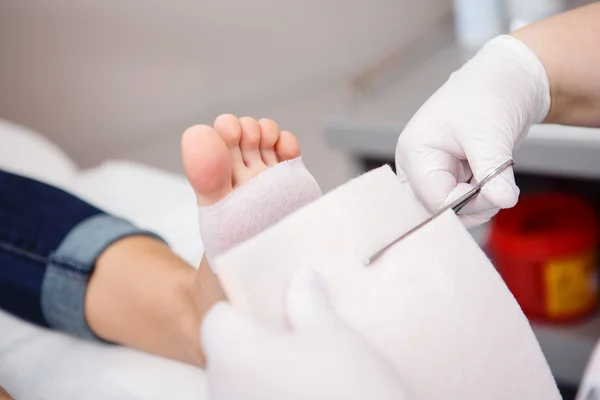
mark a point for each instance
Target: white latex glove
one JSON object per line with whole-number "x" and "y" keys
{"x": 471, "y": 125}
{"x": 589, "y": 389}
{"x": 320, "y": 359}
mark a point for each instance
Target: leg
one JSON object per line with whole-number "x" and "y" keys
{"x": 64, "y": 264}
{"x": 132, "y": 289}
{"x": 140, "y": 295}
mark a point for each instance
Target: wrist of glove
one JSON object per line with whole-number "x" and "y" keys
{"x": 321, "y": 358}
{"x": 471, "y": 125}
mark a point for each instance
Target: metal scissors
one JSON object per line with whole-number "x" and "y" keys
{"x": 456, "y": 206}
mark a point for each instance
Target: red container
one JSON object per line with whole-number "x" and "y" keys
{"x": 545, "y": 249}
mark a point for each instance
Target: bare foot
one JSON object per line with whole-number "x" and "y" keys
{"x": 220, "y": 159}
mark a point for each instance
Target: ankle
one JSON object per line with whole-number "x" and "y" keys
{"x": 195, "y": 297}
{"x": 141, "y": 295}
{"x": 188, "y": 320}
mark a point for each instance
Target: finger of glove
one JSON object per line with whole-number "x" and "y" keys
{"x": 477, "y": 211}
{"x": 478, "y": 219}
{"x": 484, "y": 156}
{"x": 432, "y": 176}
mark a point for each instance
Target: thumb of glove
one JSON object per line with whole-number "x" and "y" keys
{"x": 307, "y": 303}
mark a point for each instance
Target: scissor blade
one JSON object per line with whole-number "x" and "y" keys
{"x": 375, "y": 256}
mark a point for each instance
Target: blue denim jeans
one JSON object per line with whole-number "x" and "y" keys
{"x": 49, "y": 243}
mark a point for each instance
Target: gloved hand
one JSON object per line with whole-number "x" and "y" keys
{"x": 320, "y": 359}
{"x": 471, "y": 125}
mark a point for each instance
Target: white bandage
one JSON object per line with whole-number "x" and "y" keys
{"x": 256, "y": 205}
{"x": 433, "y": 303}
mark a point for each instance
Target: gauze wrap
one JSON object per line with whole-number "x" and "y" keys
{"x": 433, "y": 303}
{"x": 256, "y": 205}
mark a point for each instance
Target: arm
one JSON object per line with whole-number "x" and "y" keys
{"x": 567, "y": 46}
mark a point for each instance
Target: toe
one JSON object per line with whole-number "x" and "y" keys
{"x": 228, "y": 126}
{"x": 207, "y": 163}
{"x": 250, "y": 143}
{"x": 287, "y": 147}
{"x": 269, "y": 131}
{"x": 230, "y": 129}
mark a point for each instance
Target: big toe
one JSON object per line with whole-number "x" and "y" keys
{"x": 207, "y": 163}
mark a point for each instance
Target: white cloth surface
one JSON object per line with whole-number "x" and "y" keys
{"x": 433, "y": 303}
{"x": 38, "y": 364}
{"x": 28, "y": 153}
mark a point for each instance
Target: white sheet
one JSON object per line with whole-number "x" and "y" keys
{"x": 433, "y": 304}
{"x": 30, "y": 154}
{"x": 39, "y": 364}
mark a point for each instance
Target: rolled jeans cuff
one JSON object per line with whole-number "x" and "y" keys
{"x": 70, "y": 267}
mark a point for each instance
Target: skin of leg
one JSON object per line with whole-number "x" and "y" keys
{"x": 143, "y": 295}
{"x": 4, "y": 395}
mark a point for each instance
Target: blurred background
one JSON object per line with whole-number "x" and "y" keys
{"x": 116, "y": 79}
{"x": 123, "y": 79}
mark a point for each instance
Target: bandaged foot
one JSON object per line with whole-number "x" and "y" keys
{"x": 247, "y": 175}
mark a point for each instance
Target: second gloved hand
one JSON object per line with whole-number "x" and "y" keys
{"x": 471, "y": 125}
{"x": 320, "y": 359}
